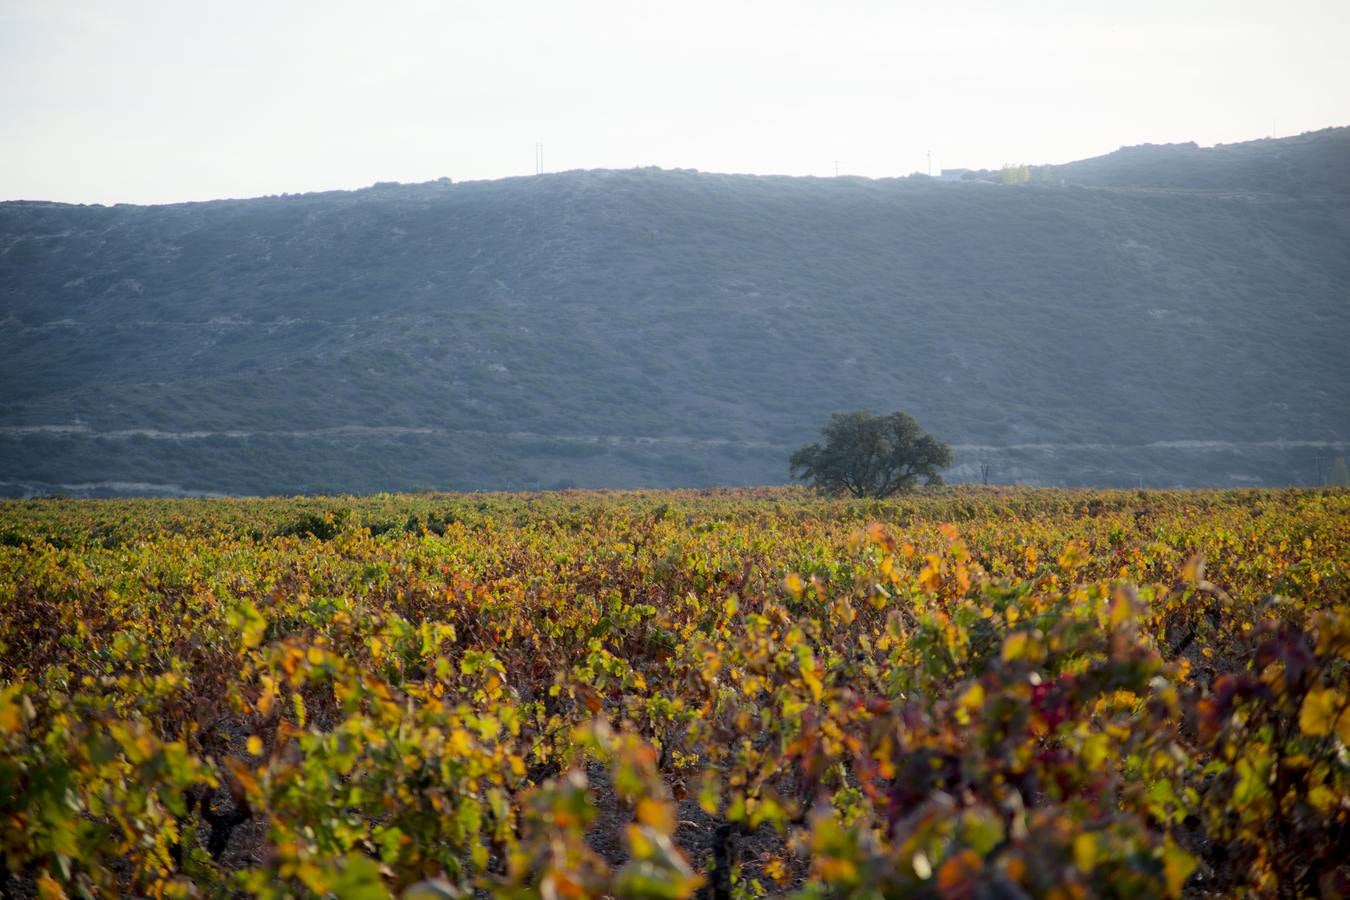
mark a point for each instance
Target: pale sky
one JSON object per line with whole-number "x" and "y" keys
{"x": 152, "y": 102}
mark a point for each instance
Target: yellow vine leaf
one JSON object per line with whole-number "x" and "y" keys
{"x": 48, "y": 889}
{"x": 1015, "y": 646}
{"x": 656, "y": 814}
{"x": 970, "y": 701}
{"x": 1325, "y": 711}
{"x": 1177, "y": 867}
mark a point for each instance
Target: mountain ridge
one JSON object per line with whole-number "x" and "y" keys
{"x": 495, "y": 322}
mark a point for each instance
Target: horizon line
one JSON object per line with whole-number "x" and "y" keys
{"x": 387, "y": 184}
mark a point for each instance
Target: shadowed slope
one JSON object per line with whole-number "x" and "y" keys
{"x": 664, "y": 328}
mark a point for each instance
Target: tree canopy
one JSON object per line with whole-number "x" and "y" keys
{"x": 866, "y": 455}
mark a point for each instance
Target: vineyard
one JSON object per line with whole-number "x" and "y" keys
{"x": 992, "y": 693}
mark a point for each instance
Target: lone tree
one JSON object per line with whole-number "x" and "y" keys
{"x": 871, "y": 456}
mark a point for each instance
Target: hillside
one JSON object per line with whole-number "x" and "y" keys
{"x": 1158, "y": 315}
{"x": 1309, "y": 164}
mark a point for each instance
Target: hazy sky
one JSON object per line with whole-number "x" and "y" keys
{"x": 187, "y": 99}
